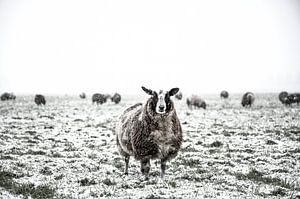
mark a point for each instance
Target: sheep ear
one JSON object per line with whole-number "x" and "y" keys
{"x": 173, "y": 91}
{"x": 148, "y": 91}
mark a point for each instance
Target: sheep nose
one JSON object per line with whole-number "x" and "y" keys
{"x": 161, "y": 108}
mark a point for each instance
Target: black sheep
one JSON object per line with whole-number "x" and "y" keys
{"x": 99, "y": 98}
{"x": 248, "y": 99}
{"x": 224, "y": 94}
{"x": 7, "y": 96}
{"x": 116, "y": 98}
{"x": 39, "y": 99}
{"x": 82, "y": 95}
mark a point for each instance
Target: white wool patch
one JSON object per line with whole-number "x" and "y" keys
{"x": 161, "y": 103}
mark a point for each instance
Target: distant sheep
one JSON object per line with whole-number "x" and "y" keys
{"x": 248, "y": 99}
{"x": 196, "y": 102}
{"x": 116, "y": 98}
{"x": 291, "y": 98}
{"x": 224, "y": 94}
{"x": 179, "y": 96}
{"x": 39, "y": 99}
{"x": 82, "y": 95}
{"x": 99, "y": 98}
{"x": 282, "y": 96}
{"x": 150, "y": 131}
{"x": 296, "y": 97}
{"x": 7, "y": 96}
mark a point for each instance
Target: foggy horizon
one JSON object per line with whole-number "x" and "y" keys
{"x": 202, "y": 47}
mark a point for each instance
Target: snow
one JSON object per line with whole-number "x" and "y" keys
{"x": 70, "y": 140}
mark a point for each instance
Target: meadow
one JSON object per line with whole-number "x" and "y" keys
{"x": 67, "y": 149}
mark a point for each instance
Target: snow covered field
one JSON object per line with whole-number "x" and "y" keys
{"x": 67, "y": 149}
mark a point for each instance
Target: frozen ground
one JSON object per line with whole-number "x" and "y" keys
{"x": 67, "y": 150}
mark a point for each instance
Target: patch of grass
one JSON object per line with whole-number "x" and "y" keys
{"x": 92, "y": 156}
{"x": 6, "y": 157}
{"x": 125, "y": 186}
{"x": 278, "y": 192}
{"x": 48, "y": 127}
{"x": 172, "y": 184}
{"x": 243, "y": 134}
{"x": 31, "y": 152}
{"x": 296, "y": 132}
{"x": 86, "y": 182}
{"x": 191, "y": 162}
{"x": 46, "y": 171}
{"x": 270, "y": 142}
{"x": 108, "y": 182}
{"x": 32, "y": 141}
{"x": 57, "y": 155}
{"x": 39, "y": 192}
{"x": 31, "y": 132}
{"x": 20, "y": 164}
{"x": 216, "y": 144}
{"x": 59, "y": 177}
{"x": 201, "y": 171}
{"x": 249, "y": 151}
{"x": 189, "y": 148}
{"x": 297, "y": 150}
{"x": 195, "y": 178}
{"x": 280, "y": 170}
{"x": 228, "y": 133}
{"x": 258, "y": 176}
{"x": 212, "y": 151}
{"x": 70, "y": 148}
{"x": 152, "y": 196}
{"x": 117, "y": 163}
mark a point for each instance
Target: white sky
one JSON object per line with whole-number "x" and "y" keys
{"x": 106, "y": 46}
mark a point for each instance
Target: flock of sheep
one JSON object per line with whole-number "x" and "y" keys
{"x": 193, "y": 101}
{"x": 289, "y": 98}
{"x": 247, "y": 99}
{"x": 102, "y": 98}
{"x": 96, "y": 98}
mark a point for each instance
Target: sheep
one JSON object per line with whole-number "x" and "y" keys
{"x": 248, "y": 99}
{"x": 296, "y": 97}
{"x": 283, "y": 97}
{"x": 179, "y": 96}
{"x": 116, "y": 98}
{"x": 150, "y": 131}
{"x": 291, "y": 98}
{"x": 196, "y": 102}
{"x": 99, "y": 98}
{"x": 224, "y": 94}
{"x": 39, "y": 99}
{"x": 82, "y": 95}
{"x": 7, "y": 96}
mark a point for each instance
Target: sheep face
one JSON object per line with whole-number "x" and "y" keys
{"x": 160, "y": 103}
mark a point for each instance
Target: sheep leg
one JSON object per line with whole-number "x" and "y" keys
{"x": 163, "y": 167}
{"x": 126, "y": 164}
{"x": 145, "y": 167}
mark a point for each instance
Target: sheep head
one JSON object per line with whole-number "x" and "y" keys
{"x": 160, "y": 103}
